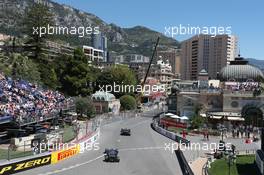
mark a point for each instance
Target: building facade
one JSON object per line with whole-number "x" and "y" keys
{"x": 173, "y": 55}
{"x": 105, "y": 102}
{"x": 136, "y": 58}
{"x": 93, "y": 55}
{"x": 238, "y": 87}
{"x": 208, "y": 52}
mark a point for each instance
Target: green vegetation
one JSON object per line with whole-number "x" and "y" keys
{"x": 76, "y": 76}
{"x": 128, "y": 102}
{"x": 13, "y": 154}
{"x": 19, "y": 67}
{"x": 197, "y": 121}
{"x": 244, "y": 166}
{"x": 69, "y": 133}
{"x": 37, "y": 16}
{"x": 120, "y": 75}
{"x": 84, "y": 107}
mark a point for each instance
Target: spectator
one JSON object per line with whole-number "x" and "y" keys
{"x": 26, "y": 102}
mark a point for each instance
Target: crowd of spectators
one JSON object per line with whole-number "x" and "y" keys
{"x": 25, "y": 102}
{"x": 245, "y": 86}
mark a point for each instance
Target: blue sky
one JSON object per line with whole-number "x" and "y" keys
{"x": 245, "y": 17}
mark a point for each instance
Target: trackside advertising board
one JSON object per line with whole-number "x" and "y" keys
{"x": 24, "y": 165}
{"x": 65, "y": 154}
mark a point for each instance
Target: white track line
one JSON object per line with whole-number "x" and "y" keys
{"x": 144, "y": 148}
{"x": 71, "y": 167}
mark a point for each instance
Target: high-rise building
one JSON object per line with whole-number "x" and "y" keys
{"x": 232, "y": 48}
{"x": 208, "y": 52}
{"x": 173, "y": 55}
{"x": 99, "y": 41}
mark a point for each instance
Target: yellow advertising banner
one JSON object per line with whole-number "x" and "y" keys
{"x": 65, "y": 153}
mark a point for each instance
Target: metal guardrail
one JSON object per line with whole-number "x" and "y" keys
{"x": 185, "y": 168}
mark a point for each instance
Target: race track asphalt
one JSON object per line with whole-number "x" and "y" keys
{"x": 142, "y": 153}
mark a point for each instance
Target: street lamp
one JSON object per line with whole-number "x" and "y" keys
{"x": 231, "y": 157}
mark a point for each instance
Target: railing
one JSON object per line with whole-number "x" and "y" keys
{"x": 185, "y": 168}
{"x": 206, "y": 169}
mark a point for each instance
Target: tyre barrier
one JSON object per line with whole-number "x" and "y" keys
{"x": 16, "y": 166}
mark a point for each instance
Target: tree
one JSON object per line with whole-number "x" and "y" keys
{"x": 197, "y": 121}
{"x": 37, "y": 16}
{"x": 128, "y": 102}
{"x": 20, "y": 67}
{"x": 120, "y": 75}
{"x": 84, "y": 107}
{"x": 77, "y": 75}
{"x": 47, "y": 72}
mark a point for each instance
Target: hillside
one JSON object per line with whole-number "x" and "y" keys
{"x": 138, "y": 39}
{"x": 257, "y": 63}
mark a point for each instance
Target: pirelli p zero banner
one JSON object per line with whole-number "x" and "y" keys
{"x": 24, "y": 165}
{"x": 65, "y": 154}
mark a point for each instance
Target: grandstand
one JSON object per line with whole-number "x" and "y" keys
{"x": 27, "y": 108}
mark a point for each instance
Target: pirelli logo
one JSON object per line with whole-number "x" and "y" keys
{"x": 64, "y": 154}
{"x": 25, "y": 165}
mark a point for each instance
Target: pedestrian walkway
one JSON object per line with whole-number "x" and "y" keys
{"x": 197, "y": 157}
{"x": 197, "y": 165}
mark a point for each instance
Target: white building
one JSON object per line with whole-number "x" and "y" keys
{"x": 93, "y": 54}
{"x": 135, "y": 58}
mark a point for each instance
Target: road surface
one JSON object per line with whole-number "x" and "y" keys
{"x": 142, "y": 153}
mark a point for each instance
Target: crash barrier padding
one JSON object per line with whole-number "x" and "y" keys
{"x": 55, "y": 157}
{"x": 90, "y": 141}
{"x": 63, "y": 154}
{"x": 74, "y": 150}
{"x": 185, "y": 168}
{"x": 16, "y": 167}
{"x": 169, "y": 134}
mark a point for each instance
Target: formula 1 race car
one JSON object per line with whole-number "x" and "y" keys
{"x": 111, "y": 155}
{"x": 125, "y": 132}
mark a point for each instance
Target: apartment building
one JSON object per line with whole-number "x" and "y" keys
{"x": 173, "y": 55}
{"x": 94, "y": 55}
{"x": 208, "y": 52}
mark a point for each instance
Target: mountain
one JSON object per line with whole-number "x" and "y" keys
{"x": 138, "y": 39}
{"x": 257, "y": 63}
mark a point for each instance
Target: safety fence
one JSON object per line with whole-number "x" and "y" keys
{"x": 17, "y": 166}
{"x": 185, "y": 168}
{"x": 169, "y": 134}
{"x": 88, "y": 134}
{"x": 77, "y": 146}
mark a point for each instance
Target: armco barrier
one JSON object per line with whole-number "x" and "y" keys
{"x": 23, "y": 165}
{"x": 169, "y": 134}
{"x": 185, "y": 168}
